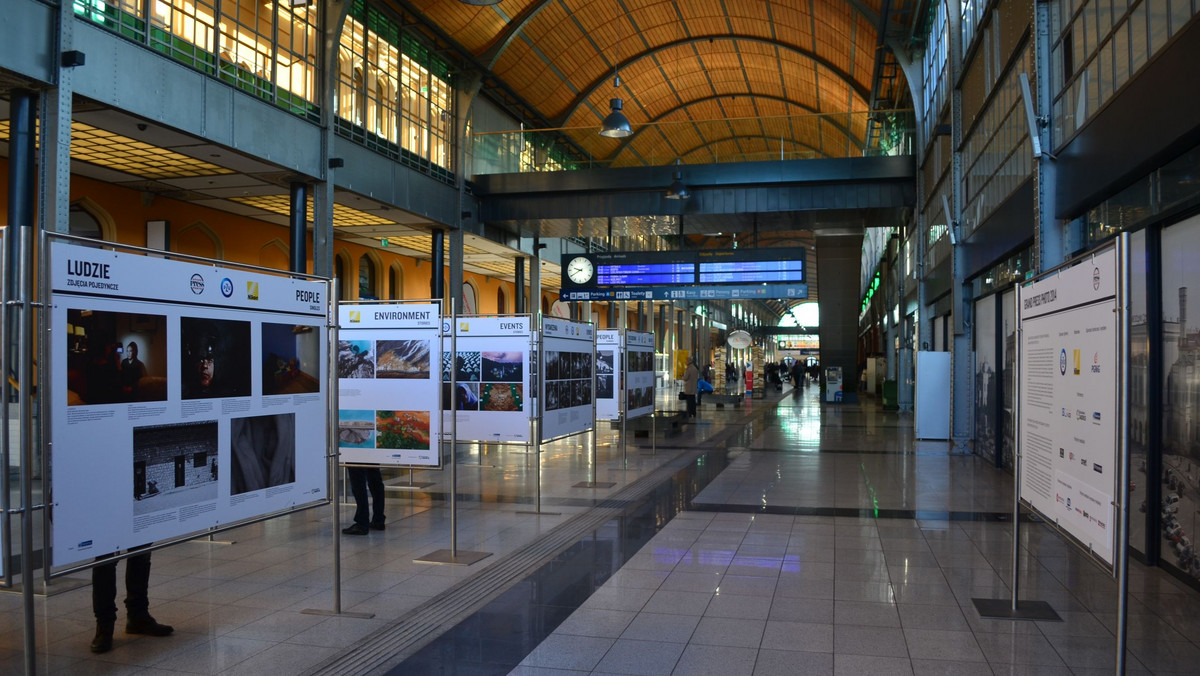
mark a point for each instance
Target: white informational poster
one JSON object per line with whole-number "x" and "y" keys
{"x": 639, "y": 374}
{"x": 568, "y": 375}
{"x": 609, "y": 374}
{"x": 182, "y": 397}
{"x": 389, "y": 410}
{"x": 492, "y": 369}
{"x": 931, "y": 405}
{"x": 1068, "y": 363}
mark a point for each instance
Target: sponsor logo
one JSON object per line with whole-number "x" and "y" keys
{"x": 1083, "y": 461}
{"x": 1080, "y": 414}
{"x": 226, "y": 287}
{"x": 1096, "y": 363}
{"x": 197, "y": 284}
{"x": 1096, "y": 467}
{"x": 1077, "y": 370}
{"x": 355, "y": 316}
{"x": 251, "y": 290}
{"x": 1062, "y": 453}
{"x": 1096, "y": 278}
{"x": 1062, "y": 362}
{"x": 85, "y": 543}
{"x": 1095, "y": 416}
{"x": 464, "y": 326}
{"x": 1072, "y": 454}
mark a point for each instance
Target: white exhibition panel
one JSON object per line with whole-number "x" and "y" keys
{"x": 492, "y": 371}
{"x": 1068, "y": 399}
{"x": 568, "y": 376}
{"x": 610, "y": 361}
{"x": 639, "y": 374}
{"x": 931, "y": 406}
{"x": 183, "y": 397}
{"x": 389, "y": 395}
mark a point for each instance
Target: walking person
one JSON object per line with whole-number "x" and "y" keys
{"x": 691, "y": 377}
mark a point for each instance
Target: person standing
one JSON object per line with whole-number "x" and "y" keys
{"x": 691, "y": 377}
{"x": 137, "y": 602}
{"x": 132, "y": 372}
{"x": 362, "y": 478}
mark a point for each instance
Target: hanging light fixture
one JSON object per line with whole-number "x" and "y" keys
{"x": 616, "y": 125}
{"x": 677, "y": 190}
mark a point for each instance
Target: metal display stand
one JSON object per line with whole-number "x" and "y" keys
{"x": 454, "y": 555}
{"x": 591, "y": 482}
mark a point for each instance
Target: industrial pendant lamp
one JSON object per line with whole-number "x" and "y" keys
{"x": 616, "y": 125}
{"x": 678, "y": 191}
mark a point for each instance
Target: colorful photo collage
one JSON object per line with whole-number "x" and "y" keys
{"x": 383, "y": 360}
{"x": 568, "y": 379}
{"x": 485, "y": 381}
{"x": 121, "y": 357}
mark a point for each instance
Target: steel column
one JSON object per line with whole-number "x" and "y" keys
{"x": 298, "y": 227}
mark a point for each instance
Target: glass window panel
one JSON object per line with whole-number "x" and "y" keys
{"x": 1139, "y": 381}
{"x": 1159, "y": 22}
{"x": 1181, "y": 11}
{"x": 1121, "y": 55}
{"x": 1104, "y": 72}
{"x": 1139, "y": 45}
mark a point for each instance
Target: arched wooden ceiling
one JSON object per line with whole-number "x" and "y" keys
{"x": 697, "y": 77}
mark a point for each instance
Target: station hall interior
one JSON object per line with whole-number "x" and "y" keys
{"x": 925, "y": 158}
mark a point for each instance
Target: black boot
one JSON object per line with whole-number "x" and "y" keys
{"x": 102, "y": 642}
{"x": 146, "y": 625}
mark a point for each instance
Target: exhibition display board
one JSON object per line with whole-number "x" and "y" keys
{"x": 610, "y": 374}
{"x": 1068, "y": 367}
{"x": 183, "y": 397}
{"x": 639, "y": 374}
{"x": 389, "y": 396}
{"x": 492, "y": 370}
{"x": 568, "y": 376}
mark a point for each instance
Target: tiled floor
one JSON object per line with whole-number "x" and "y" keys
{"x": 778, "y": 537}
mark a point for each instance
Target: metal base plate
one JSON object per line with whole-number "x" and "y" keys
{"x": 420, "y": 485}
{"x": 57, "y": 586}
{"x": 1001, "y": 609}
{"x": 445, "y": 557}
{"x": 321, "y": 611}
{"x": 594, "y": 484}
{"x": 543, "y": 513}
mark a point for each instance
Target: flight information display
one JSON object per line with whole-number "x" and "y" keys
{"x": 642, "y": 274}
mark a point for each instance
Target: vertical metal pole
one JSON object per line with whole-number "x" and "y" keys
{"x": 335, "y": 471}
{"x": 1121, "y": 547}
{"x": 298, "y": 226}
{"x": 1017, "y": 450}
{"x": 536, "y": 439}
{"x": 437, "y": 276}
{"x": 519, "y": 280}
{"x": 453, "y": 428}
{"x": 595, "y": 428}
{"x": 25, "y": 410}
{"x": 5, "y": 441}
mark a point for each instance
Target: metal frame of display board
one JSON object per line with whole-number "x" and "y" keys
{"x": 1012, "y": 608}
{"x": 624, "y": 405}
{"x": 591, "y": 481}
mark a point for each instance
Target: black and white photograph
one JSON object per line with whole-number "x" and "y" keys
{"x": 356, "y": 359}
{"x": 115, "y": 357}
{"x": 604, "y": 362}
{"x": 408, "y": 359}
{"x": 262, "y": 451}
{"x": 553, "y": 397}
{"x": 604, "y": 387}
{"x": 291, "y": 354}
{"x": 214, "y": 358}
{"x": 174, "y": 466}
{"x": 553, "y": 365}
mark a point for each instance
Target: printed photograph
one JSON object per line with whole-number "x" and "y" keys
{"x": 577, "y": 393}
{"x": 291, "y": 356}
{"x": 553, "y": 365}
{"x": 468, "y": 396}
{"x": 402, "y": 359}
{"x": 215, "y": 358}
{"x": 502, "y": 366}
{"x": 604, "y": 387}
{"x": 604, "y": 362}
{"x": 553, "y": 396}
{"x": 356, "y": 359}
{"x": 467, "y": 367}
{"x": 356, "y": 428}
{"x": 262, "y": 451}
{"x": 502, "y": 397}
{"x": 174, "y": 466}
{"x": 402, "y": 429}
{"x": 115, "y": 357}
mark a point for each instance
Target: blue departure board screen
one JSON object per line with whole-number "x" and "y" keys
{"x": 735, "y": 272}
{"x": 639, "y": 275}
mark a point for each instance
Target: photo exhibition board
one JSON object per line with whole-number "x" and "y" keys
{"x": 493, "y": 377}
{"x": 568, "y": 377}
{"x": 639, "y": 374}
{"x": 183, "y": 397}
{"x": 610, "y": 359}
{"x": 389, "y": 396}
{"x": 1068, "y": 400}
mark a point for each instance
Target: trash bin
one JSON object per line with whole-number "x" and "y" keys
{"x": 890, "y": 399}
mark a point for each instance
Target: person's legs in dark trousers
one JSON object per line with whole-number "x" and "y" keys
{"x": 691, "y": 405}
{"x": 374, "y": 480}
{"x": 104, "y": 604}
{"x": 137, "y": 601}
{"x": 362, "y": 512}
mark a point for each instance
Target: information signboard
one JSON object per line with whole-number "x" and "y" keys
{"x": 639, "y": 374}
{"x": 492, "y": 373}
{"x": 389, "y": 393}
{"x": 1068, "y": 365}
{"x": 568, "y": 376}
{"x": 610, "y": 374}
{"x": 183, "y": 397}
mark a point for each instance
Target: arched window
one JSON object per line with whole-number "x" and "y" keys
{"x": 367, "y": 278}
{"x": 84, "y": 224}
{"x": 339, "y": 273}
{"x": 501, "y": 301}
{"x": 395, "y": 282}
{"x": 545, "y": 306}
